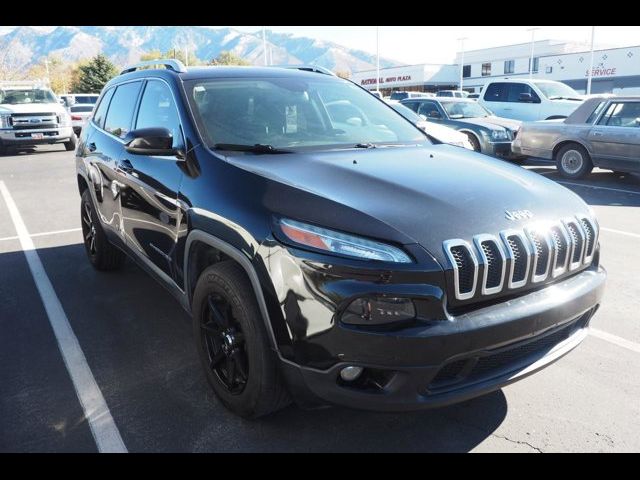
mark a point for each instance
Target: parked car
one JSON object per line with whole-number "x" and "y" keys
{"x": 80, "y": 113}
{"x": 376, "y": 93}
{"x": 487, "y": 133}
{"x": 70, "y": 99}
{"x": 603, "y": 132}
{"x": 331, "y": 261}
{"x": 438, "y": 132}
{"x": 530, "y": 99}
{"x": 452, "y": 93}
{"x": 473, "y": 96}
{"x": 30, "y": 115}
{"x": 401, "y": 95}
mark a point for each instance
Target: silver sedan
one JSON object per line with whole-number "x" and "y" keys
{"x": 602, "y": 132}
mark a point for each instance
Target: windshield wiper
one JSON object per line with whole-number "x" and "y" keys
{"x": 256, "y": 148}
{"x": 364, "y": 145}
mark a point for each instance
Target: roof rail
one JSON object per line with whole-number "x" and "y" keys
{"x": 308, "y": 68}
{"x": 170, "y": 64}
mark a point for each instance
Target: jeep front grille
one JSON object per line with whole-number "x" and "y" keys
{"x": 516, "y": 258}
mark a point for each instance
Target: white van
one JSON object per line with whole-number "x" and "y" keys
{"x": 530, "y": 99}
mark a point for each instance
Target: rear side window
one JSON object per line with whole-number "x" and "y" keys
{"x": 101, "y": 111}
{"x": 496, "y": 92}
{"x": 623, "y": 114}
{"x": 157, "y": 109}
{"x": 596, "y": 112}
{"x": 120, "y": 113}
{"x": 515, "y": 89}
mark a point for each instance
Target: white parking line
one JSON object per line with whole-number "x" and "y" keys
{"x": 597, "y": 187}
{"x": 43, "y": 234}
{"x": 621, "y": 232}
{"x": 103, "y": 428}
{"x": 621, "y": 342}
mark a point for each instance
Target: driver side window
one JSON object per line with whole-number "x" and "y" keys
{"x": 429, "y": 110}
{"x": 157, "y": 109}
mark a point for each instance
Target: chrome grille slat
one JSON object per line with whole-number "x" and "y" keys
{"x": 541, "y": 250}
{"x": 517, "y": 257}
{"x": 562, "y": 249}
{"x": 494, "y": 262}
{"x": 458, "y": 252}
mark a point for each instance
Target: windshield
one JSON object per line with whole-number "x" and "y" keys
{"x": 81, "y": 108}
{"x": 465, "y": 110}
{"x": 86, "y": 99}
{"x": 557, "y": 90}
{"x": 21, "y": 96}
{"x": 286, "y": 112}
{"x": 399, "y": 95}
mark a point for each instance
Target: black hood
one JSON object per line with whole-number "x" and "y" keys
{"x": 429, "y": 194}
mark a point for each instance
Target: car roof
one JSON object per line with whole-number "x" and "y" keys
{"x": 523, "y": 80}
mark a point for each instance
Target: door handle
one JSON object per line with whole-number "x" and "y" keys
{"x": 508, "y": 109}
{"x": 597, "y": 134}
{"x": 92, "y": 147}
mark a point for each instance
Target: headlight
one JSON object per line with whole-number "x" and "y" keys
{"x": 499, "y": 135}
{"x": 4, "y": 121}
{"x": 341, "y": 243}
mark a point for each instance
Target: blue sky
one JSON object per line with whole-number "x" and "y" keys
{"x": 439, "y": 44}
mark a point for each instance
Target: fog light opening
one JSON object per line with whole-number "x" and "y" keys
{"x": 380, "y": 310}
{"x": 350, "y": 373}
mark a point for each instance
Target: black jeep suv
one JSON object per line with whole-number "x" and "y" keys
{"x": 326, "y": 249}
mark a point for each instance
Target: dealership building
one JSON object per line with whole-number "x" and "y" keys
{"x": 615, "y": 70}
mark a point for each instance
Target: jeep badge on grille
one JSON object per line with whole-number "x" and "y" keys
{"x": 517, "y": 214}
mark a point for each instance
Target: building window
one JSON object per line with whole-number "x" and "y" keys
{"x": 466, "y": 71}
{"x": 536, "y": 64}
{"x": 486, "y": 69}
{"x": 509, "y": 66}
{"x": 548, "y": 70}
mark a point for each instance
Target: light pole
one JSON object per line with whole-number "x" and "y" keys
{"x": 264, "y": 44}
{"x": 378, "y": 59}
{"x": 593, "y": 34}
{"x": 533, "y": 36}
{"x": 461, "y": 60}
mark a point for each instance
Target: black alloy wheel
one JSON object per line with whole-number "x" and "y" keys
{"x": 224, "y": 343}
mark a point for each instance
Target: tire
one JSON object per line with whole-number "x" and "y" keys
{"x": 101, "y": 253}
{"x": 474, "y": 141}
{"x": 573, "y": 161}
{"x": 233, "y": 345}
{"x": 71, "y": 144}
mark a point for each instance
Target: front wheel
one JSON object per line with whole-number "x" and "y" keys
{"x": 473, "y": 140}
{"x": 232, "y": 343}
{"x": 71, "y": 144}
{"x": 101, "y": 253}
{"x": 573, "y": 161}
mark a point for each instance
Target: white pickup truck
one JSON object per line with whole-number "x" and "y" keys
{"x": 30, "y": 114}
{"x": 530, "y": 100}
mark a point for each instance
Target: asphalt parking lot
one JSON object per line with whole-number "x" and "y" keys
{"x": 138, "y": 345}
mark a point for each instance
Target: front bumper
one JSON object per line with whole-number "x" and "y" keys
{"x": 453, "y": 360}
{"x": 498, "y": 149}
{"x": 25, "y": 138}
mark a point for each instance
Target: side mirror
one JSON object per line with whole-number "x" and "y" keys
{"x": 151, "y": 141}
{"x": 423, "y": 116}
{"x": 525, "y": 97}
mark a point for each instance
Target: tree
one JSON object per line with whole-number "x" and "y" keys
{"x": 343, "y": 74}
{"x": 61, "y": 75}
{"x": 177, "y": 53}
{"x": 229, "y": 58}
{"x": 94, "y": 75}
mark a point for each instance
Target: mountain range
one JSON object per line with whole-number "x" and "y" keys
{"x": 125, "y": 45}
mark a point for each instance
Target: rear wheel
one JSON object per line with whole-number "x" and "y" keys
{"x": 573, "y": 161}
{"x": 474, "y": 141}
{"x": 232, "y": 343}
{"x": 71, "y": 144}
{"x": 102, "y": 254}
